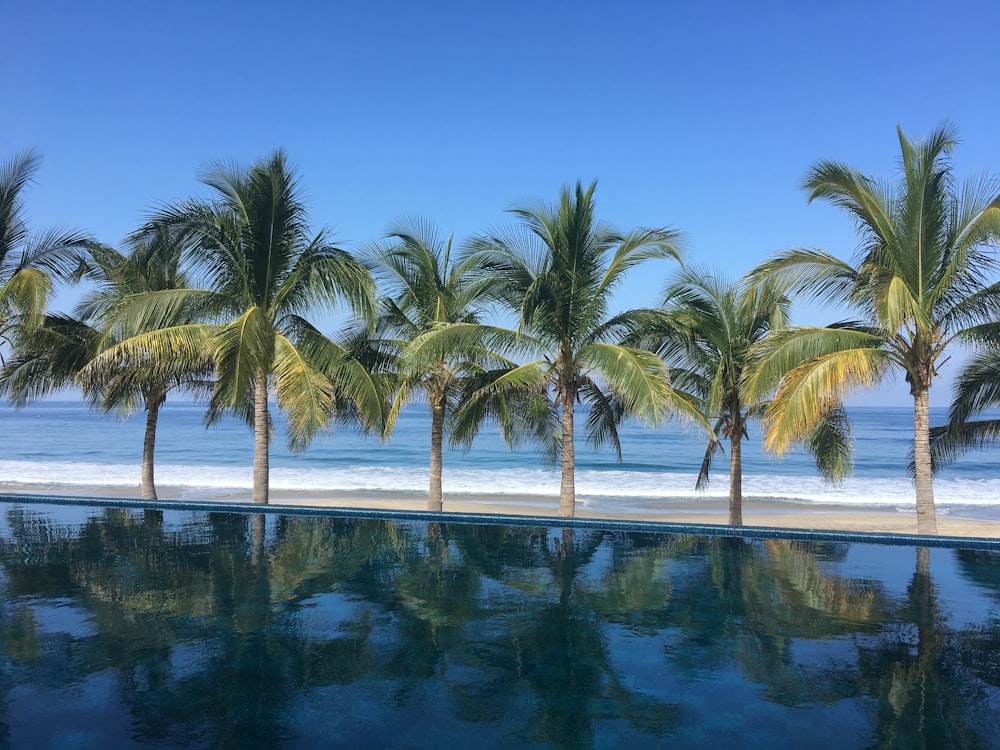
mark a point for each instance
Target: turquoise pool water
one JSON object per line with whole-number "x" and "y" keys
{"x": 132, "y": 627}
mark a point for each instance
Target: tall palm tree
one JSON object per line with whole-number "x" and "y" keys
{"x": 557, "y": 272}
{"x": 28, "y": 263}
{"x": 83, "y": 350}
{"x": 262, "y": 273}
{"x": 425, "y": 293}
{"x": 711, "y": 327}
{"x": 921, "y": 277}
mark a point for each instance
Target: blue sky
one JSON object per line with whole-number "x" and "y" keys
{"x": 699, "y": 116}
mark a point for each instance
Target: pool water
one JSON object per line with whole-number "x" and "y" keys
{"x": 132, "y": 627}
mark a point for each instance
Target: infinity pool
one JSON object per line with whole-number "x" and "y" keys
{"x": 132, "y": 627}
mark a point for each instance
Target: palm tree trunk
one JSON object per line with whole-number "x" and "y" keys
{"x": 736, "y": 478}
{"x": 567, "y": 485}
{"x": 434, "y": 496}
{"x": 262, "y": 437}
{"x": 147, "y": 487}
{"x": 926, "y": 516}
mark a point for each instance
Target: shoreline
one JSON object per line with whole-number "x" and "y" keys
{"x": 713, "y": 512}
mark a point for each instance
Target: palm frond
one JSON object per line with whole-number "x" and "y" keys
{"x": 637, "y": 246}
{"x": 605, "y": 413}
{"x": 323, "y": 275}
{"x": 361, "y": 374}
{"x": 952, "y": 441}
{"x": 25, "y": 295}
{"x": 977, "y": 387}
{"x": 637, "y": 377}
{"x": 868, "y": 201}
{"x": 162, "y": 355}
{"x": 812, "y": 272}
{"x": 48, "y": 359}
{"x": 56, "y": 252}
{"x": 784, "y": 350}
{"x": 713, "y": 448}
{"x": 461, "y": 341}
{"x": 121, "y": 315}
{"x": 515, "y": 400}
{"x": 809, "y": 392}
{"x": 831, "y": 443}
{"x": 15, "y": 175}
{"x": 640, "y": 328}
{"x": 304, "y": 394}
{"x": 244, "y": 352}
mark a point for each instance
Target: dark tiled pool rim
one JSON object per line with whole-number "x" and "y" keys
{"x": 657, "y": 527}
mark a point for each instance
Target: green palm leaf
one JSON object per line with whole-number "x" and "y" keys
{"x": 638, "y": 378}
{"x": 29, "y": 264}
{"x": 810, "y": 390}
{"x": 304, "y": 393}
{"x": 244, "y": 349}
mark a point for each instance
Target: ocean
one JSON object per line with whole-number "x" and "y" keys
{"x": 63, "y": 443}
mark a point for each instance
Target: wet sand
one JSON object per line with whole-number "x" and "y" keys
{"x": 713, "y": 512}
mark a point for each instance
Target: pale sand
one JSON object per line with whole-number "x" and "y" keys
{"x": 710, "y": 512}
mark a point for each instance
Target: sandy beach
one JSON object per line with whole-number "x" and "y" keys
{"x": 712, "y": 512}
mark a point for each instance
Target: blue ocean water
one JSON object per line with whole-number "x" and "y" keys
{"x": 62, "y": 442}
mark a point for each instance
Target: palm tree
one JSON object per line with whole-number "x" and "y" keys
{"x": 28, "y": 264}
{"x": 920, "y": 279}
{"x": 83, "y": 350}
{"x": 263, "y": 274}
{"x": 426, "y": 292}
{"x": 711, "y": 328}
{"x": 114, "y": 378}
{"x": 558, "y": 274}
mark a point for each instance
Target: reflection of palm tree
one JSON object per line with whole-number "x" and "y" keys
{"x": 436, "y": 597}
{"x": 751, "y": 601}
{"x": 216, "y": 633}
{"x": 560, "y": 652}
{"x": 924, "y": 700}
{"x": 194, "y": 630}
{"x": 979, "y": 644}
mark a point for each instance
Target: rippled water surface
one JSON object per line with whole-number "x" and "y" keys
{"x": 124, "y": 627}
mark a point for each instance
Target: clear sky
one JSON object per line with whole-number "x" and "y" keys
{"x": 699, "y": 116}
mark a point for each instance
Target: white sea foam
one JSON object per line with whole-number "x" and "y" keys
{"x": 638, "y": 488}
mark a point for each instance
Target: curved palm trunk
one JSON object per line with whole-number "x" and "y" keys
{"x": 736, "y": 478}
{"x": 434, "y": 495}
{"x": 567, "y": 485}
{"x": 926, "y": 515}
{"x": 262, "y": 436}
{"x": 147, "y": 486}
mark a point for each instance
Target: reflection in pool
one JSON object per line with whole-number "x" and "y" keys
{"x": 125, "y": 627}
